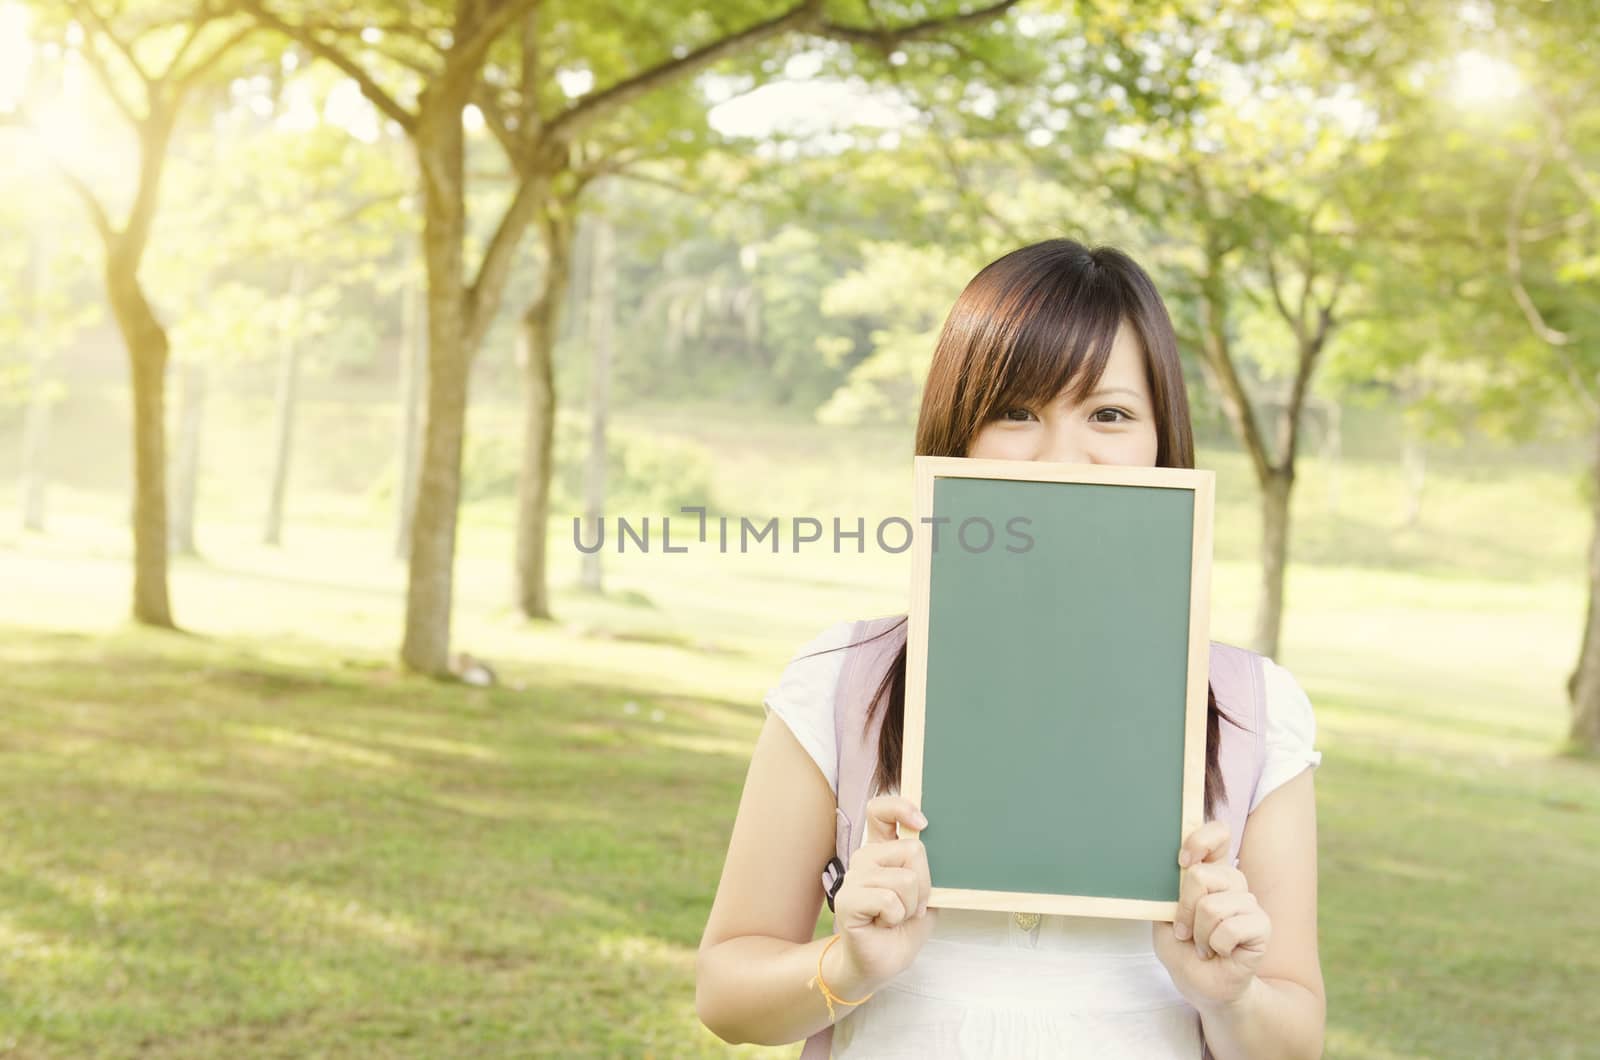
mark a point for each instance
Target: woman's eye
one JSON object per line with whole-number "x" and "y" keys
{"x": 1009, "y": 414}
{"x": 1117, "y": 415}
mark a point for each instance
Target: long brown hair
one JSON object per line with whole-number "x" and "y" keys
{"x": 1025, "y": 327}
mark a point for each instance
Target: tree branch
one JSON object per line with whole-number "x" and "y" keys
{"x": 1556, "y": 340}
{"x": 529, "y": 117}
{"x": 1309, "y": 276}
{"x": 1519, "y": 199}
{"x": 1294, "y": 321}
{"x": 494, "y": 116}
{"x": 978, "y": 204}
{"x": 606, "y": 165}
{"x": 483, "y": 297}
{"x": 471, "y": 42}
{"x": 886, "y": 39}
{"x": 208, "y": 62}
{"x": 651, "y": 179}
{"x": 396, "y": 54}
{"x": 1328, "y": 312}
{"x": 196, "y": 24}
{"x": 97, "y": 211}
{"x": 155, "y": 134}
{"x": 1561, "y": 149}
{"x": 1586, "y": 181}
{"x": 975, "y": 60}
{"x": 805, "y": 16}
{"x": 590, "y": 108}
{"x": 501, "y": 15}
{"x": 1218, "y": 355}
{"x": 1567, "y": 225}
{"x": 1310, "y": 351}
{"x": 102, "y": 73}
{"x": 103, "y": 28}
{"x": 375, "y": 94}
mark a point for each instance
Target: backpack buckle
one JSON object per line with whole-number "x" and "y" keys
{"x": 832, "y": 879}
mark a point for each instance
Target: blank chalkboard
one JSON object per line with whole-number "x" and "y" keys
{"x": 1057, "y": 655}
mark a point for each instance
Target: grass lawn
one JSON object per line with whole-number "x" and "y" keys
{"x": 259, "y": 839}
{"x": 210, "y": 850}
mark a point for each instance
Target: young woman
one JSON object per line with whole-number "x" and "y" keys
{"x": 1053, "y": 352}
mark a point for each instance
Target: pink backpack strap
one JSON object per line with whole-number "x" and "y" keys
{"x": 1240, "y": 688}
{"x": 857, "y": 746}
{"x": 857, "y": 738}
{"x": 1239, "y": 685}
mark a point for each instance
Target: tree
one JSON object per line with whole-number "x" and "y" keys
{"x": 627, "y": 116}
{"x": 436, "y": 55}
{"x": 1490, "y": 227}
{"x": 148, "y": 64}
{"x": 42, "y": 314}
{"x": 1244, "y": 172}
{"x": 602, "y": 293}
{"x": 1551, "y": 249}
{"x": 431, "y": 58}
{"x": 306, "y": 215}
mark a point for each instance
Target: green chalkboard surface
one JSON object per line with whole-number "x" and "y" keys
{"x": 1057, "y": 645}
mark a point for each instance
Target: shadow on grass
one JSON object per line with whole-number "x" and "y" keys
{"x": 207, "y": 848}
{"x": 1450, "y": 907}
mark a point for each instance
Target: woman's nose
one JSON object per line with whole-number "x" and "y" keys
{"x": 1067, "y": 447}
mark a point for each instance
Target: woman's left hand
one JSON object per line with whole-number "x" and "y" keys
{"x": 1220, "y": 935}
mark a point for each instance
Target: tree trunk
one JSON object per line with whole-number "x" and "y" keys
{"x": 1414, "y": 462}
{"x": 36, "y": 427}
{"x": 1333, "y": 451}
{"x": 602, "y": 299}
{"x": 413, "y": 366}
{"x": 458, "y": 316}
{"x": 539, "y": 329}
{"x": 1275, "y": 494}
{"x": 283, "y": 430}
{"x": 431, "y": 569}
{"x": 1583, "y": 688}
{"x": 186, "y": 465}
{"x": 146, "y": 341}
{"x": 35, "y": 439}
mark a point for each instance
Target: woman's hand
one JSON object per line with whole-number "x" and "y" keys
{"x": 882, "y": 904}
{"x": 1220, "y": 935}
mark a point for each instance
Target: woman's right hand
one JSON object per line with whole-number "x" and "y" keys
{"x": 882, "y": 904}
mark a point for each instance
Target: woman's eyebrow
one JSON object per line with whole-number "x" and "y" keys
{"x": 1116, "y": 390}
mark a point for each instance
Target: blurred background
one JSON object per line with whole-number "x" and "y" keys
{"x": 326, "y": 325}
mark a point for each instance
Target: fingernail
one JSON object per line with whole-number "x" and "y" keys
{"x": 919, "y": 820}
{"x": 1183, "y": 858}
{"x": 1181, "y": 930}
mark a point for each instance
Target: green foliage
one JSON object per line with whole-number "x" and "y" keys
{"x": 295, "y": 231}
{"x": 728, "y": 310}
{"x": 901, "y": 295}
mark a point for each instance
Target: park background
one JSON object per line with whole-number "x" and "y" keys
{"x": 325, "y": 322}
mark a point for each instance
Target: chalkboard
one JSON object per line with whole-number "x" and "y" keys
{"x": 1056, "y": 666}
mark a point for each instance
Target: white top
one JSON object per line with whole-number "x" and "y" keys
{"x": 982, "y": 985}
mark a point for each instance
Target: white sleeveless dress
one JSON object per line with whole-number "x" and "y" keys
{"x": 1017, "y": 986}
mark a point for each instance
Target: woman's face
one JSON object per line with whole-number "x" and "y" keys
{"x": 1113, "y": 425}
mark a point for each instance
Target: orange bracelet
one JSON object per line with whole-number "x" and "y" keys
{"x": 827, "y": 994}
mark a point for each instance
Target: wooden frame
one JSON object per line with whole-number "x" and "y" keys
{"x": 1202, "y": 483}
